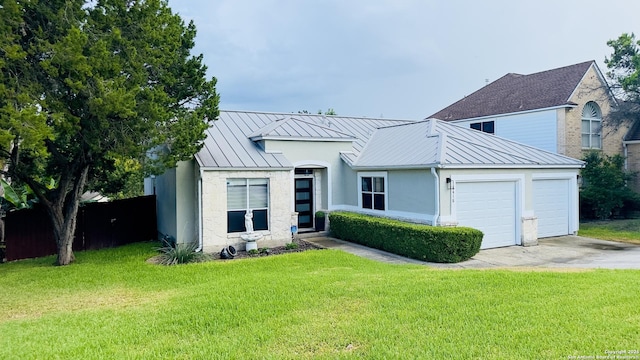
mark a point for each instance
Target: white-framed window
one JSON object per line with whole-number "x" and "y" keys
{"x": 591, "y": 126}
{"x": 372, "y": 188}
{"x": 244, "y": 195}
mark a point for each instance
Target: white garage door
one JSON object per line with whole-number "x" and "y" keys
{"x": 551, "y": 206}
{"x": 489, "y": 207}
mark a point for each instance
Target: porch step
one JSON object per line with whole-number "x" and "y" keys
{"x": 311, "y": 234}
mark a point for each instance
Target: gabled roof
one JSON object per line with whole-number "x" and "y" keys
{"x": 634, "y": 133}
{"x": 516, "y": 93}
{"x": 232, "y": 140}
{"x": 290, "y": 128}
{"x": 435, "y": 143}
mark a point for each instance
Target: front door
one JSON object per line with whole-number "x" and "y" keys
{"x": 304, "y": 202}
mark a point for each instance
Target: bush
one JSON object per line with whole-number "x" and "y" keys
{"x": 605, "y": 193}
{"x": 421, "y": 242}
{"x": 180, "y": 254}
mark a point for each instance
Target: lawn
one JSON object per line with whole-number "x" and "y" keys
{"x": 111, "y": 304}
{"x": 627, "y": 230}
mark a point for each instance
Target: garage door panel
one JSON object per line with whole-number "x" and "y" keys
{"x": 551, "y": 206}
{"x": 489, "y": 207}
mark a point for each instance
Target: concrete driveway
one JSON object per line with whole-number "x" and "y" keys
{"x": 558, "y": 252}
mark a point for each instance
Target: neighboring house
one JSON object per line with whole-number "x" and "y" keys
{"x": 559, "y": 110}
{"x": 632, "y": 153}
{"x": 284, "y": 167}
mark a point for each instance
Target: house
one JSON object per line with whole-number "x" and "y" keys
{"x": 284, "y": 167}
{"x": 631, "y": 145}
{"x": 559, "y": 110}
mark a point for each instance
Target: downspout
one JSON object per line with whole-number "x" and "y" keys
{"x": 436, "y": 214}
{"x": 200, "y": 237}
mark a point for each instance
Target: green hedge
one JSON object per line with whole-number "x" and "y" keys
{"x": 421, "y": 242}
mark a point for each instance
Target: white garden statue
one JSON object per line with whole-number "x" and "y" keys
{"x": 250, "y": 237}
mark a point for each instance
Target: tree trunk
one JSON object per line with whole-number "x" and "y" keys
{"x": 63, "y": 214}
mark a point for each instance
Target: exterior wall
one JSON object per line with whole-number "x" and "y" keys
{"x": 320, "y": 154}
{"x": 214, "y": 209}
{"x": 536, "y": 128}
{"x": 633, "y": 164}
{"x": 591, "y": 89}
{"x": 410, "y": 195}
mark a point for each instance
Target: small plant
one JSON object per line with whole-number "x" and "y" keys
{"x": 320, "y": 214}
{"x": 291, "y": 246}
{"x": 253, "y": 252}
{"x": 265, "y": 251}
{"x": 180, "y": 254}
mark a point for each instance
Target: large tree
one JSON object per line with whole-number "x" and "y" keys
{"x": 624, "y": 76}
{"x": 89, "y": 88}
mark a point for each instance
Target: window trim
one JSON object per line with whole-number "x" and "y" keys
{"x": 374, "y": 174}
{"x": 591, "y": 120}
{"x": 248, "y": 199}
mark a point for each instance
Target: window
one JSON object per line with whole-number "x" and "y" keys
{"x": 591, "y": 126}
{"x": 372, "y": 191}
{"x": 487, "y": 126}
{"x": 244, "y": 195}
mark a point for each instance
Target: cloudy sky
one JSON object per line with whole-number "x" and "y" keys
{"x": 391, "y": 58}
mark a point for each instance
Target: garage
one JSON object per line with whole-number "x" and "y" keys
{"x": 551, "y": 199}
{"x": 491, "y": 207}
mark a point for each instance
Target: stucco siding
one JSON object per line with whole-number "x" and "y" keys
{"x": 165, "y": 187}
{"x": 186, "y": 222}
{"x": 411, "y": 191}
{"x": 214, "y": 209}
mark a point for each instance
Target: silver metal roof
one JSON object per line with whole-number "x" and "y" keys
{"x": 229, "y": 143}
{"x": 435, "y": 143}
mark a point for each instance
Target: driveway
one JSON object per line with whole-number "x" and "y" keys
{"x": 558, "y": 252}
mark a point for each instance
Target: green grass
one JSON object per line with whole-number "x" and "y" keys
{"x": 617, "y": 230}
{"x": 325, "y": 304}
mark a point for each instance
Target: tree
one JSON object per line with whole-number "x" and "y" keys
{"x": 624, "y": 76}
{"x": 604, "y": 192}
{"x": 91, "y": 88}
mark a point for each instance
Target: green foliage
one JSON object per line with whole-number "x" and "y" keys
{"x": 422, "y": 242}
{"x": 253, "y": 252}
{"x": 96, "y": 93}
{"x": 183, "y": 253}
{"x": 320, "y": 214}
{"x": 624, "y": 75}
{"x": 605, "y": 193}
{"x": 264, "y": 250}
{"x": 291, "y": 246}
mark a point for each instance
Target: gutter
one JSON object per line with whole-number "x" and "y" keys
{"x": 436, "y": 214}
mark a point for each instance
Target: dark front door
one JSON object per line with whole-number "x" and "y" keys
{"x": 304, "y": 202}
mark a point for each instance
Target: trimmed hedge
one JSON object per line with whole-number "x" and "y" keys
{"x": 416, "y": 241}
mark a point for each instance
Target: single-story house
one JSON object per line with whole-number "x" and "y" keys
{"x": 284, "y": 167}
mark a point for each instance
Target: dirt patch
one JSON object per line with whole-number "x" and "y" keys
{"x": 598, "y": 246}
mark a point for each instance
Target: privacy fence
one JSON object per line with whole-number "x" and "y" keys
{"x": 29, "y": 233}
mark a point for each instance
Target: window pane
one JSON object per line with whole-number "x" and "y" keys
{"x": 476, "y": 126}
{"x": 258, "y": 196}
{"x": 260, "y": 220}
{"x": 595, "y": 127}
{"x": 304, "y": 218}
{"x": 303, "y": 207}
{"x": 378, "y": 201}
{"x": 367, "y": 201}
{"x": 585, "y": 140}
{"x": 586, "y": 126}
{"x": 595, "y": 142}
{"x": 302, "y": 196}
{"x": 378, "y": 184}
{"x": 366, "y": 184}
{"x": 236, "y": 194}
{"x": 488, "y": 127}
{"x": 235, "y": 221}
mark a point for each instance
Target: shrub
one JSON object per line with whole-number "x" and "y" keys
{"x": 180, "y": 254}
{"x": 421, "y": 242}
{"x": 291, "y": 246}
{"x": 604, "y": 193}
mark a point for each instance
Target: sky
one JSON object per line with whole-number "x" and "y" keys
{"x": 400, "y": 59}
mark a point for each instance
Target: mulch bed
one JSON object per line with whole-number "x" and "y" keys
{"x": 302, "y": 246}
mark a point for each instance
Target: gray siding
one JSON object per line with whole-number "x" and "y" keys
{"x": 412, "y": 191}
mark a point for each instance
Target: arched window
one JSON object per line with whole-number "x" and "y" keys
{"x": 591, "y": 126}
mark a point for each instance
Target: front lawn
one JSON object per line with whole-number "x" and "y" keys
{"x": 627, "y": 230}
{"x": 111, "y": 304}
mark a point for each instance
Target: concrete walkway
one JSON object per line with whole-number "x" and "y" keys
{"x": 558, "y": 252}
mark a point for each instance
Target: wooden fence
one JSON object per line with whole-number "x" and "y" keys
{"x": 29, "y": 233}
